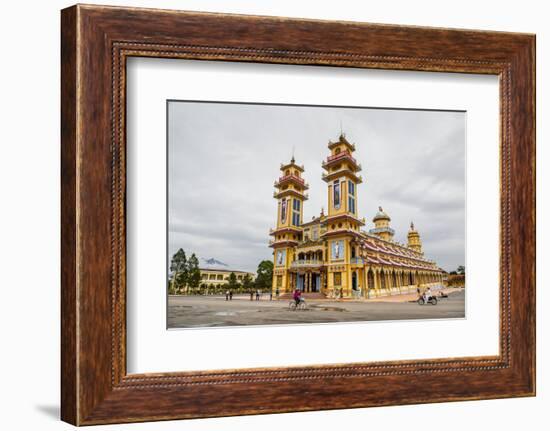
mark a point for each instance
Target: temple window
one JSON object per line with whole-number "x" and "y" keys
{"x": 336, "y": 194}
{"x": 351, "y": 196}
{"x": 296, "y": 212}
{"x": 283, "y": 210}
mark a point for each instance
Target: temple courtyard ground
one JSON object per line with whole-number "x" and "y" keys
{"x": 215, "y": 311}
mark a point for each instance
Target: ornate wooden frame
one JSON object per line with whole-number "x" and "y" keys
{"x": 95, "y": 42}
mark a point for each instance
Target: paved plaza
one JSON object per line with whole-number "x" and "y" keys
{"x": 213, "y": 311}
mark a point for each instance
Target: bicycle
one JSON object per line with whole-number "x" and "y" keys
{"x": 300, "y": 306}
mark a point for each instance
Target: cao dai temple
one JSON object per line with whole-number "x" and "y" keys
{"x": 333, "y": 254}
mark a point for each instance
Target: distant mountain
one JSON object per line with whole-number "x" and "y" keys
{"x": 211, "y": 263}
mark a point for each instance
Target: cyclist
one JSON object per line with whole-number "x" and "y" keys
{"x": 297, "y": 296}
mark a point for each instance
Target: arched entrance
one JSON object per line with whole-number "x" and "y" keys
{"x": 370, "y": 279}
{"x": 382, "y": 279}
{"x": 315, "y": 282}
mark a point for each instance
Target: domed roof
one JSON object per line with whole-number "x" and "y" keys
{"x": 381, "y": 215}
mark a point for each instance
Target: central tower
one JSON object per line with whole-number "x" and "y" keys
{"x": 342, "y": 222}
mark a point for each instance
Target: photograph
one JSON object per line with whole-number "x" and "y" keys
{"x": 284, "y": 214}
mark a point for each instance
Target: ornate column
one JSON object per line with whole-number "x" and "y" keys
{"x": 366, "y": 281}
{"x": 400, "y": 280}
{"x": 376, "y": 274}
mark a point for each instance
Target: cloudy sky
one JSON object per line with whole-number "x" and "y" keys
{"x": 224, "y": 158}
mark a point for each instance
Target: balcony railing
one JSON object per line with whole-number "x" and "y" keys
{"x": 284, "y": 240}
{"x": 341, "y": 155}
{"x": 302, "y": 263}
{"x": 290, "y": 177}
{"x": 382, "y": 229}
{"x": 357, "y": 261}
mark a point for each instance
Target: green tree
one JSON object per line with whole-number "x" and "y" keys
{"x": 461, "y": 270}
{"x": 193, "y": 272}
{"x": 247, "y": 283}
{"x": 178, "y": 266}
{"x": 264, "y": 275}
{"x": 232, "y": 282}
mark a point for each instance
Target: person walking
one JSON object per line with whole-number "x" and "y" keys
{"x": 257, "y": 294}
{"x": 227, "y": 295}
{"x": 231, "y": 295}
{"x": 251, "y": 295}
{"x": 277, "y": 293}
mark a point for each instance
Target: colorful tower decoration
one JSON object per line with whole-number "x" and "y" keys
{"x": 290, "y": 195}
{"x": 413, "y": 239}
{"x": 342, "y": 223}
{"x": 382, "y": 227}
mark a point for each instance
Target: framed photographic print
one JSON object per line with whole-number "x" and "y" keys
{"x": 267, "y": 215}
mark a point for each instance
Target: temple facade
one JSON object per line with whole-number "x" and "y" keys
{"x": 334, "y": 254}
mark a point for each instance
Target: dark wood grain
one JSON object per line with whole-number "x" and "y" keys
{"x": 69, "y": 399}
{"x": 96, "y": 41}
